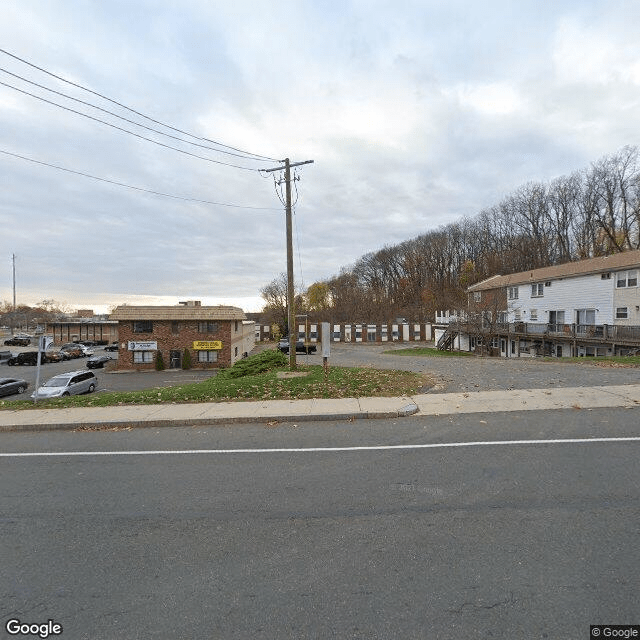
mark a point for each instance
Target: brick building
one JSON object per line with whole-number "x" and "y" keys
{"x": 214, "y": 336}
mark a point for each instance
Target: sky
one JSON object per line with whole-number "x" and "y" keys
{"x": 416, "y": 114}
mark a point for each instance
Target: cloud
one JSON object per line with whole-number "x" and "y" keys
{"x": 415, "y": 114}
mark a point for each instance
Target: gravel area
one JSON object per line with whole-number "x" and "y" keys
{"x": 471, "y": 373}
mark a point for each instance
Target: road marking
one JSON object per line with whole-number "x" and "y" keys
{"x": 384, "y": 447}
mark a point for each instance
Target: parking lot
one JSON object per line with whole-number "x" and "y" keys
{"x": 107, "y": 381}
{"x": 464, "y": 373}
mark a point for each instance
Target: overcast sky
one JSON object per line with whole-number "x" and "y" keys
{"x": 416, "y": 113}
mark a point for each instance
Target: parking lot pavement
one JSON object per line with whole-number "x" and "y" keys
{"x": 474, "y": 373}
{"x": 107, "y": 380}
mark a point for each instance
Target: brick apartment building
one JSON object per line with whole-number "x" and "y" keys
{"x": 214, "y": 336}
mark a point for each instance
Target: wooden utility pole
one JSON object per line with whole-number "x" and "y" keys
{"x": 291, "y": 316}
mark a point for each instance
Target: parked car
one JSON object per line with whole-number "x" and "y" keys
{"x": 18, "y": 342}
{"x": 301, "y": 347}
{"x": 56, "y": 356}
{"x": 112, "y": 347}
{"x": 10, "y": 386}
{"x": 71, "y": 383}
{"x": 5, "y": 355}
{"x": 72, "y": 350}
{"x": 24, "y": 358}
{"x": 30, "y": 358}
{"x": 97, "y": 362}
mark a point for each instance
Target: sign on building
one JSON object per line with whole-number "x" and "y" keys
{"x": 207, "y": 345}
{"x": 142, "y": 346}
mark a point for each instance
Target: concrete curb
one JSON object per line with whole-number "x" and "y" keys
{"x": 46, "y": 420}
{"x": 292, "y": 411}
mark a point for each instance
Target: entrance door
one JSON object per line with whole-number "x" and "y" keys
{"x": 175, "y": 359}
{"x": 558, "y": 351}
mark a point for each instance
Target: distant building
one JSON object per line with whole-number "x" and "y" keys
{"x": 95, "y": 329}
{"x": 215, "y": 336}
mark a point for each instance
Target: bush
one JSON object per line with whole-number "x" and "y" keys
{"x": 159, "y": 361}
{"x": 186, "y": 359}
{"x": 253, "y": 365}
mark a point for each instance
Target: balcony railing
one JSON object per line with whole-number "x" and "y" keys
{"x": 602, "y": 332}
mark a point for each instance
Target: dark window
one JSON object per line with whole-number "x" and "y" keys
{"x": 175, "y": 326}
{"x": 142, "y": 326}
{"x": 207, "y": 327}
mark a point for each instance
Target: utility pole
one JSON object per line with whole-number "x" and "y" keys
{"x": 14, "y": 281}
{"x": 291, "y": 316}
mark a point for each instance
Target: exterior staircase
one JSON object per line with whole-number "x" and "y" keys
{"x": 446, "y": 339}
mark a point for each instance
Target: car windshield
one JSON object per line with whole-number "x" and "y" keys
{"x": 56, "y": 382}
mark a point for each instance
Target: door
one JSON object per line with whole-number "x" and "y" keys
{"x": 175, "y": 359}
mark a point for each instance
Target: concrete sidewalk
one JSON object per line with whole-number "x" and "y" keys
{"x": 304, "y": 410}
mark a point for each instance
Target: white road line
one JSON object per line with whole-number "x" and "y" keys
{"x": 385, "y": 447}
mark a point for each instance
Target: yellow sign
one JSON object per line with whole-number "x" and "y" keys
{"x": 207, "y": 345}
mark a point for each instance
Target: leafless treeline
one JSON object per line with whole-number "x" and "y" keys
{"x": 586, "y": 214}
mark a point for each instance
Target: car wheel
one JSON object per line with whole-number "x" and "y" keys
{"x": 92, "y": 388}
{"x": 21, "y": 389}
{"x": 66, "y": 393}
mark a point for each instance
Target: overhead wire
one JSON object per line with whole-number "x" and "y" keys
{"x": 142, "y": 115}
{"x": 115, "y": 115}
{"x": 129, "y": 186}
{"x": 132, "y": 133}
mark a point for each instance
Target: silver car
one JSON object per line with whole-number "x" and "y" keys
{"x": 67, "y": 384}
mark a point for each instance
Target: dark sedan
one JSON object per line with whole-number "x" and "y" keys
{"x": 97, "y": 362}
{"x": 10, "y": 386}
{"x": 301, "y": 347}
{"x": 18, "y": 342}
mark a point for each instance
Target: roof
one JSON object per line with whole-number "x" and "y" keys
{"x": 180, "y": 312}
{"x": 615, "y": 262}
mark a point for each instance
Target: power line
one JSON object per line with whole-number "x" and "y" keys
{"x": 128, "y": 186}
{"x": 137, "y": 124}
{"x": 132, "y": 133}
{"x": 142, "y": 115}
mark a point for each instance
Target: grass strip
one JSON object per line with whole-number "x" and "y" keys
{"x": 255, "y": 378}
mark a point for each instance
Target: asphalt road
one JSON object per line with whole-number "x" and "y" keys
{"x": 529, "y": 540}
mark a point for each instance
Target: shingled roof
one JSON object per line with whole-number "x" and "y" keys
{"x": 615, "y": 262}
{"x": 179, "y": 312}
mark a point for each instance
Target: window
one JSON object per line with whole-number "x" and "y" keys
{"x": 533, "y": 315}
{"x": 477, "y": 296}
{"x": 503, "y": 317}
{"x": 517, "y": 316}
{"x": 606, "y": 276}
{"x": 556, "y": 317}
{"x": 207, "y": 356}
{"x": 142, "y": 326}
{"x": 207, "y": 327}
{"x": 143, "y": 357}
{"x": 512, "y": 293}
{"x": 537, "y": 290}
{"x": 175, "y": 326}
{"x": 236, "y": 326}
{"x": 622, "y": 313}
{"x": 371, "y": 333}
{"x": 627, "y": 279}
{"x": 586, "y": 316}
